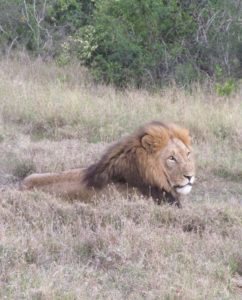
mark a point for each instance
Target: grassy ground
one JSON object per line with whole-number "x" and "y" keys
{"x": 55, "y": 118}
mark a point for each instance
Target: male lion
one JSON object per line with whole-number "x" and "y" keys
{"x": 157, "y": 160}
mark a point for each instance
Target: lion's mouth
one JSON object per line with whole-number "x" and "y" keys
{"x": 182, "y": 186}
{"x": 183, "y": 189}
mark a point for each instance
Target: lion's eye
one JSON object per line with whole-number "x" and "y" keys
{"x": 188, "y": 154}
{"x": 172, "y": 158}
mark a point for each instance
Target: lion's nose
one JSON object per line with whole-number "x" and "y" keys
{"x": 190, "y": 178}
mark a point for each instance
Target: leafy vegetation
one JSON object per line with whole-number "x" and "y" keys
{"x": 140, "y": 42}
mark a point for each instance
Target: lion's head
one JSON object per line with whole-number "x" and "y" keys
{"x": 157, "y": 159}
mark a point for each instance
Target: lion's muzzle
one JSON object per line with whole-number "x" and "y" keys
{"x": 185, "y": 188}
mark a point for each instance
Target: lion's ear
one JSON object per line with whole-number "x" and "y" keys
{"x": 154, "y": 143}
{"x": 147, "y": 142}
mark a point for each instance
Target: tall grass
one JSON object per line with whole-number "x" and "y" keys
{"x": 46, "y": 101}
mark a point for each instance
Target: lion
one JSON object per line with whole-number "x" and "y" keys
{"x": 157, "y": 160}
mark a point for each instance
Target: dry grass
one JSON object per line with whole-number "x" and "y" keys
{"x": 54, "y": 119}
{"x": 118, "y": 249}
{"x": 49, "y": 102}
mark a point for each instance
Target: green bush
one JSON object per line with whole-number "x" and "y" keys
{"x": 138, "y": 42}
{"x": 145, "y": 42}
{"x": 226, "y": 88}
{"x": 41, "y": 26}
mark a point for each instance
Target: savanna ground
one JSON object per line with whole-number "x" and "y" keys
{"x": 55, "y": 118}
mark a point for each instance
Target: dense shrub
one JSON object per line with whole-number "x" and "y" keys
{"x": 41, "y": 26}
{"x": 139, "y": 42}
{"x": 152, "y": 41}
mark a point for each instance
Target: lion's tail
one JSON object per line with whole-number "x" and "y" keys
{"x": 68, "y": 183}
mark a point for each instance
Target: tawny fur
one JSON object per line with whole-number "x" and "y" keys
{"x": 138, "y": 160}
